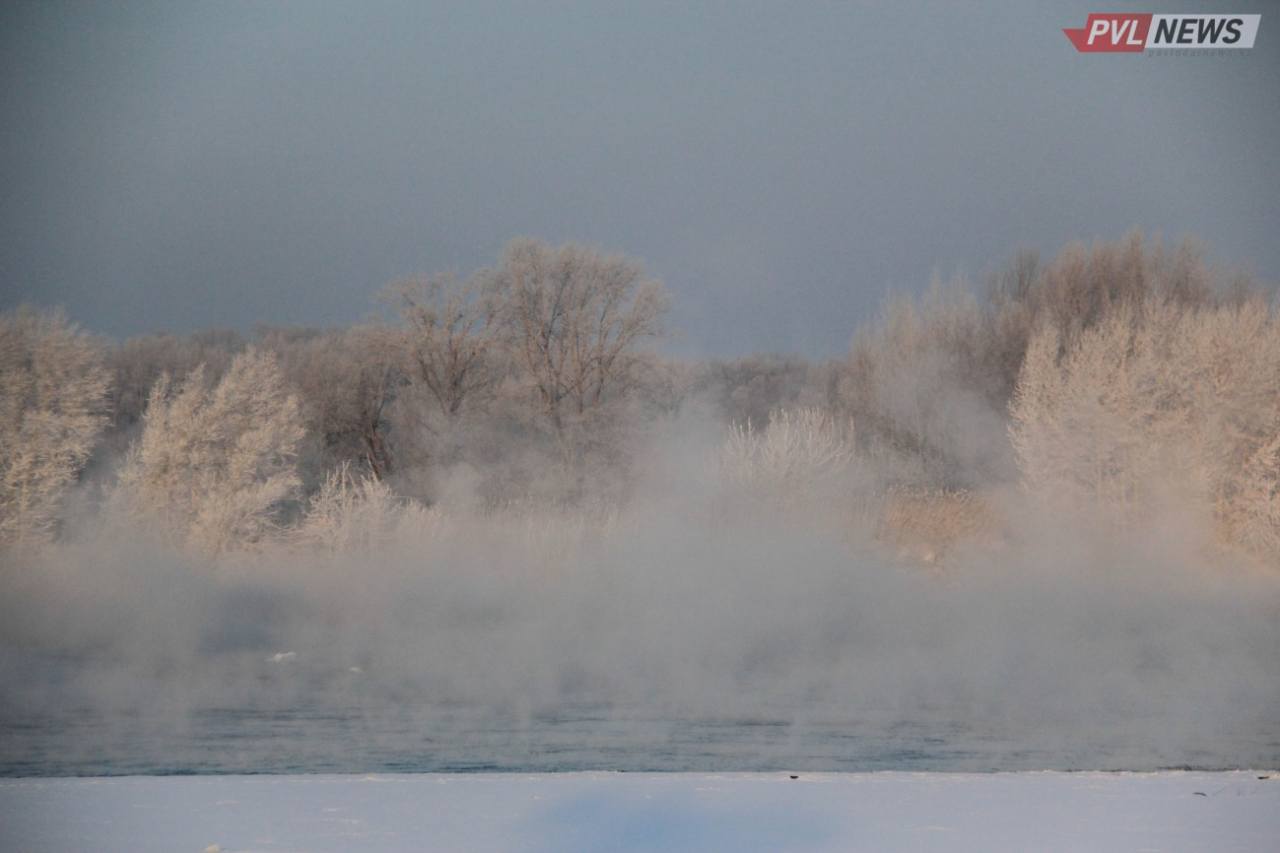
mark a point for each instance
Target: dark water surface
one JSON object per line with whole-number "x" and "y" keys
{"x": 423, "y": 738}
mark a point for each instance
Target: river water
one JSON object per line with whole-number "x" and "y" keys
{"x": 418, "y": 737}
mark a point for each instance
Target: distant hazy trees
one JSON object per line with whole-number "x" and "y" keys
{"x": 53, "y": 405}
{"x": 1122, "y": 377}
{"x": 216, "y": 464}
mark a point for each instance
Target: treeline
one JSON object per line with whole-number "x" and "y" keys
{"x": 1116, "y": 378}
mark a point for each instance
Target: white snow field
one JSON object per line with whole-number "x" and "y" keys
{"x": 1167, "y": 811}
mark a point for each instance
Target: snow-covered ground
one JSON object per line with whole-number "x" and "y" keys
{"x": 615, "y": 811}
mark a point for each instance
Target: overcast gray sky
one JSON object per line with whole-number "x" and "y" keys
{"x": 781, "y": 166}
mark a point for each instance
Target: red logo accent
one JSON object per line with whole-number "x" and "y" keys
{"x": 1112, "y": 32}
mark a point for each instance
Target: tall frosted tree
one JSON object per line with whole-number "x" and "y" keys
{"x": 217, "y": 464}
{"x": 53, "y": 406}
{"x": 574, "y": 317}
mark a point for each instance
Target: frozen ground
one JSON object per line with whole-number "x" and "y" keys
{"x": 615, "y": 811}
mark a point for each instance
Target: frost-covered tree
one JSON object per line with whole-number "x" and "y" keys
{"x": 451, "y": 342}
{"x": 1254, "y": 512}
{"x": 1085, "y": 427}
{"x": 918, "y": 385}
{"x": 216, "y": 464}
{"x": 1220, "y": 370}
{"x": 138, "y": 362}
{"x": 347, "y": 379}
{"x": 574, "y": 317}
{"x": 1160, "y": 402}
{"x": 1083, "y": 285}
{"x": 53, "y": 406}
{"x": 750, "y": 387}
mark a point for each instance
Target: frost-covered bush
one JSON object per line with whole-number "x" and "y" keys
{"x": 216, "y": 465}
{"x": 53, "y": 406}
{"x": 351, "y": 512}
{"x": 798, "y": 451}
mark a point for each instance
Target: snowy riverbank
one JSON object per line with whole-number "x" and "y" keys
{"x": 688, "y": 811}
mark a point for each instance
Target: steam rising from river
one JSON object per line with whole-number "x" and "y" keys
{"x": 1064, "y": 641}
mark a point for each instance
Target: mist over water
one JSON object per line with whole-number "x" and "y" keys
{"x": 504, "y": 390}
{"x": 1035, "y": 531}
{"x": 696, "y": 628}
